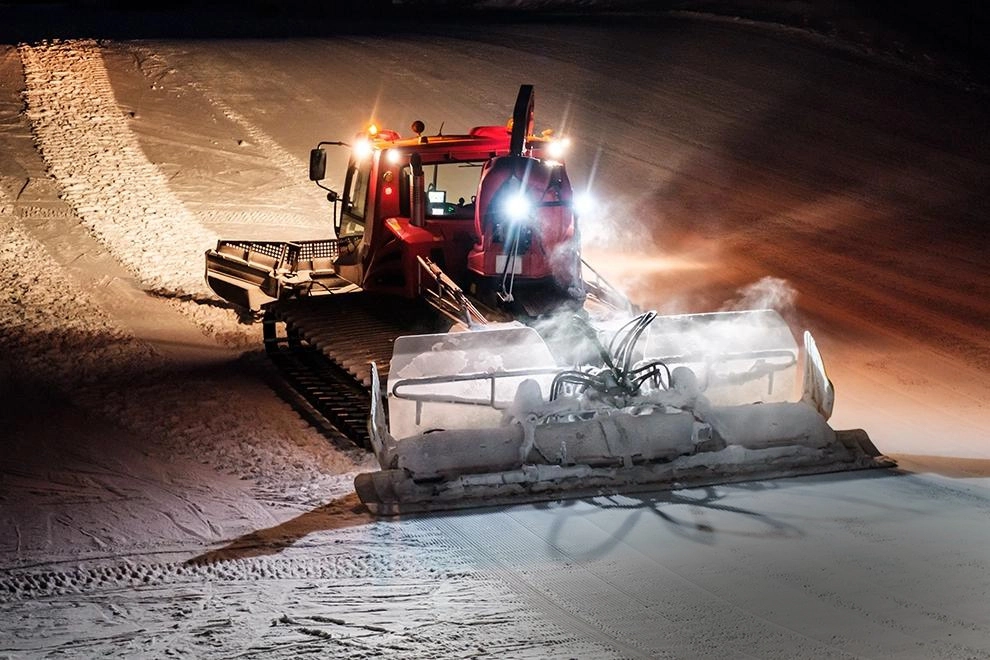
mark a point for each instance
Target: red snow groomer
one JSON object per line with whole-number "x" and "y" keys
{"x": 454, "y": 300}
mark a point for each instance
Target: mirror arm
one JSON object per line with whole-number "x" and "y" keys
{"x": 318, "y": 165}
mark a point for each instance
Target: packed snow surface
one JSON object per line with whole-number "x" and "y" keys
{"x": 158, "y": 498}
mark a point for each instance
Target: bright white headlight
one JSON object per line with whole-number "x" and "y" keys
{"x": 585, "y": 204}
{"x": 557, "y": 148}
{"x": 362, "y": 149}
{"x": 517, "y": 207}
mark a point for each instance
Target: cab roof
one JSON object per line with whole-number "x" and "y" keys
{"x": 479, "y": 142}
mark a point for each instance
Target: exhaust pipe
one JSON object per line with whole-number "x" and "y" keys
{"x": 418, "y": 192}
{"x": 522, "y": 120}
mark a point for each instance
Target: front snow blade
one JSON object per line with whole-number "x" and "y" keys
{"x": 394, "y": 491}
{"x": 471, "y": 424}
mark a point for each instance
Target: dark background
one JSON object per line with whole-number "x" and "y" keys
{"x": 950, "y": 38}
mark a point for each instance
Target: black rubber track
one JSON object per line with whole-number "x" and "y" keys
{"x": 324, "y": 347}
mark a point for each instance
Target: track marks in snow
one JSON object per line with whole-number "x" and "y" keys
{"x": 262, "y": 184}
{"x": 154, "y": 65}
{"x": 32, "y": 585}
{"x": 88, "y": 147}
{"x": 396, "y": 592}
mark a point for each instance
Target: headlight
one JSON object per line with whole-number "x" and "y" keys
{"x": 557, "y": 148}
{"x": 517, "y": 207}
{"x": 362, "y": 149}
{"x": 584, "y": 204}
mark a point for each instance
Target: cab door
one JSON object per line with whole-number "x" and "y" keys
{"x": 356, "y": 209}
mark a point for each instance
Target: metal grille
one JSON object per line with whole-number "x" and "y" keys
{"x": 319, "y": 249}
{"x": 269, "y": 249}
{"x": 288, "y": 255}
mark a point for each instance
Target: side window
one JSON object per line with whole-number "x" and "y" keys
{"x": 356, "y": 202}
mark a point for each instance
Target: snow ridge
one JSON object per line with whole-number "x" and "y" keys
{"x": 88, "y": 147}
{"x": 46, "y": 317}
{"x": 285, "y": 458}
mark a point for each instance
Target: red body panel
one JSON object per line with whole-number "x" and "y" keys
{"x": 471, "y": 242}
{"x": 545, "y": 238}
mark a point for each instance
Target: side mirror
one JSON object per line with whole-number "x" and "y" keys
{"x": 317, "y": 164}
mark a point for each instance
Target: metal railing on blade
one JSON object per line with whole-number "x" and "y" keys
{"x": 605, "y": 292}
{"x": 493, "y": 377}
{"x": 758, "y": 370}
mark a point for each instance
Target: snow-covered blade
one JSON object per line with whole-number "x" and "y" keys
{"x": 485, "y": 418}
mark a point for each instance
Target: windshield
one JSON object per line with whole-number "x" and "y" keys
{"x": 450, "y": 188}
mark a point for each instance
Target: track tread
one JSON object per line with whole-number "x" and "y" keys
{"x": 329, "y": 343}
